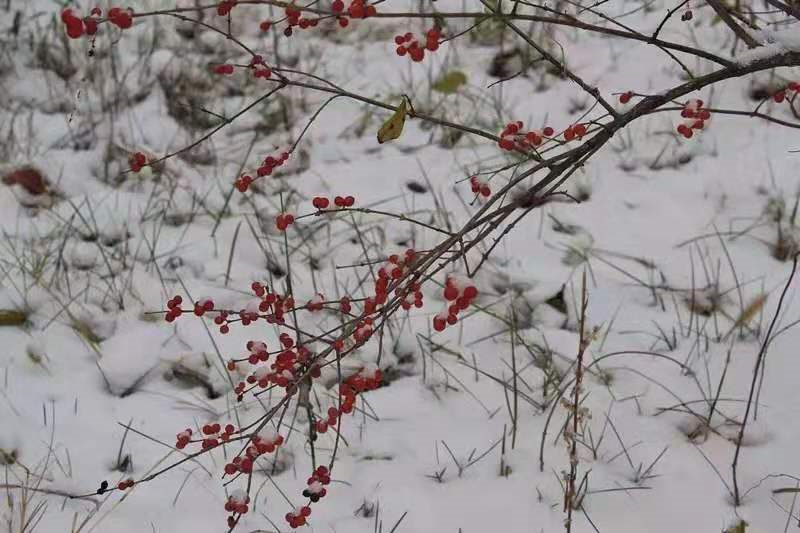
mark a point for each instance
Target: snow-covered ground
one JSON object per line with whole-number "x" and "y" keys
{"x": 678, "y": 239}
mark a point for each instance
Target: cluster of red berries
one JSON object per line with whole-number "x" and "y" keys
{"x": 397, "y": 265}
{"x": 460, "y": 292}
{"x": 76, "y": 26}
{"x": 576, "y": 131}
{"x": 273, "y": 303}
{"x": 221, "y": 320}
{"x": 267, "y": 441}
{"x": 380, "y": 297}
{"x": 297, "y": 518}
{"x": 514, "y": 138}
{"x": 363, "y": 331}
{"x": 288, "y": 365}
{"x": 480, "y": 186}
{"x": 410, "y": 298}
{"x": 73, "y": 24}
{"x": 337, "y": 6}
{"x": 122, "y": 18}
{"x": 125, "y": 484}
{"x": 225, "y": 6}
{"x": 368, "y": 378}
{"x": 322, "y": 202}
{"x": 173, "y": 309}
{"x": 625, "y": 97}
{"x": 224, "y": 69}
{"x": 258, "y": 352}
{"x": 203, "y": 305}
{"x": 137, "y": 161}
{"x": 295, "y": 19}
{"x": 408, "y": 44}
{"x": 249, "y": 314}
{"x": 344, "y": 201}
{"x": 284, "y": 220}
{"x": 395, "y": 268}
{"x": 212, "y": 435}
{"x": 268, "y": 166}
{"x": 316, "y": 484}
{"x": 789, "y": 93}
{"x": 183, "y": 438}
{"x": 270, "y": 302}
{"x": 316, "y": 303}
{"x": 259, "y": 67}
{"x": 243, "y": 182}
{"x": 237, "y": 502}
{"x": 357, "y": 9}
{"x": 696, "y": 116}
{"x": 270, "y": 163}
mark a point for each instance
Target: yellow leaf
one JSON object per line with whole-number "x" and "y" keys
{"x": 450, "y": 82}
{"x": 393, "y": 126}
{"x": 739, "y": 527}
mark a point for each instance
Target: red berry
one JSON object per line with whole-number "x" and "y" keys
{"x": 450, "y": 293}
{"x": 533, "y": 138}
{"x": 417, "y": 54}
{"x": 506, "y": 144}
{"x": 121, "y": 18}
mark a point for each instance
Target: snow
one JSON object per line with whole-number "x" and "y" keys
{"x": 93, "y": 264}
{"x": 774, "y": 42}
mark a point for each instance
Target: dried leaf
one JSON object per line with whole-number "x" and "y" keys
{"x": 12, "y": 317}
{"x": 393, "y": 127}
{"x": 750, "y": 311}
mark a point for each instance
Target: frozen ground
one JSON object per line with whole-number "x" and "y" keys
{"x": 678, "y": 238}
